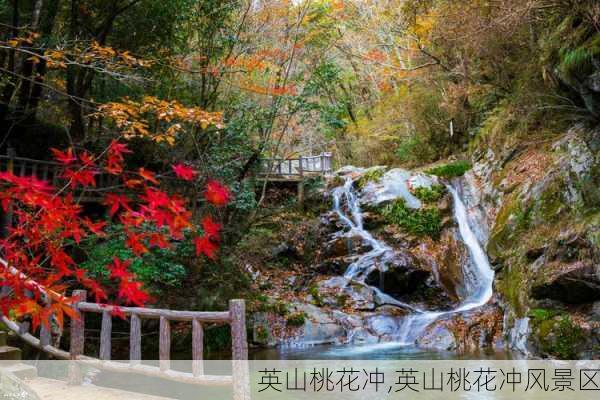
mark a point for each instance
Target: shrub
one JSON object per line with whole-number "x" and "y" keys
{"x": 158, "y": 269}
{"x": 372, "y": 175}
{"x": 430, "y": 195}
{"x": 425, "y": 221}
{"x": 296, "y": 319}
{"x": 314, "y": 292}
{"x": 451, "y": 170}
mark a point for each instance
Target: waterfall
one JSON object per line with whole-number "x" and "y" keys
{"x": 380, "y": 254}
{"x": 478, "y": 273}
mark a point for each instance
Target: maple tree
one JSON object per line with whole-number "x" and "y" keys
{"x": 49, "y": 220}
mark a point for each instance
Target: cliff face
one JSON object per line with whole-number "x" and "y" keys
{"x": 539, "y": 206}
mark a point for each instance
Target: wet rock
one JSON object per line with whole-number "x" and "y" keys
{"x": 331, "y": 222}
{"x": 437, "y": 336}
{"x": 398, "y": 281}
{"x": 393, "y": 185}
{"x": 445, "y": 258}
{"x": 319, "y": 327}
{"x": 362, "y": 336}
{"x": 392, "y": 310}
{"x": 345, "y": 245}
{"x": 575, "y": 283}
{"x": 373, "y": 220}
{"x": 383, "y": 325}
{"x": 465, "y": 332}
{"x": 339, "y": 291}
{"x": 335, "y": 266}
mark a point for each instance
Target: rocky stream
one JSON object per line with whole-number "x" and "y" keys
{"x": 403, "y": 270}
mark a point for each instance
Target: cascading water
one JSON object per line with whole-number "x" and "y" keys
{"x": 375, "y": 258}
{"x": 478, "y": 273}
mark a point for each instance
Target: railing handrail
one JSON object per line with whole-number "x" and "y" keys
{"x": 156, "y": 313}
{"x": 235, "y": 317}
{"x": 296, "y": 167}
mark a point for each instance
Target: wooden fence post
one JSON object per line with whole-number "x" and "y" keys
{"x": 237, "y": 312}
{"x": 197, "y": 348}
{"x": 77, "y": 338}
{"x": 135, "y": 340}
{"x": 164, "y": 344}
{"x": 240, "y": 373}
{"x": 46, "y": 329}
{"x": 105, "y": 335}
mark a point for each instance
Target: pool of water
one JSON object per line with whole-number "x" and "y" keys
{"x": 378, "y": 351}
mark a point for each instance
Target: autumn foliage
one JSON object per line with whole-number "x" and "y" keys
{"x": 49, "y": 221}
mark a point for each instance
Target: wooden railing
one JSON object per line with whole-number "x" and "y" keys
{"x": 52, "y": 172}
{"x": 270, "y": 169}
{"x": 296, "y": 167}
{"x": 235, "y": 317}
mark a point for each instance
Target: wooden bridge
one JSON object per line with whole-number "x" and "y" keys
{"x": 234, "y": 317}
{"x": 273, "y": 169}
{"x": 296, "y": 169}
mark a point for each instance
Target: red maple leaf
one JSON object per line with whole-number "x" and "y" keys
{"x": 158, "y": 240}
{"x": 94, "y": 227}
{"x": 81, "y": 177}
{"x": 118, "y": 149}
{"x": 184, "y": 172}
{"x": 132, "y": 292}
{"x": 115, "y": 157}
{"x": 119, "y": 269}
{"x": 87, "y": 159}
{"x": 148, "y": 175}
{"x": 116, "y": 202}
{"x": 216, "y": 193}
{"x": 134, "y": 242}
{"x": 117, "y": 311}
{"x": 211, "y": 228}
{"x": 205, "y": 246}
{"x": 65, "y": 158}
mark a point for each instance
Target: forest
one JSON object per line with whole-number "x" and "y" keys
{"x": 155, "y": 119}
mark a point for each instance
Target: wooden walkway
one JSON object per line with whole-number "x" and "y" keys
{"x": 274, "y": 170}
{"x": 296, "y": 169}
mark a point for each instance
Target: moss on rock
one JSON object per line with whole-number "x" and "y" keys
{"x": 556, "y": 334}
{"x": 371, "y": 175}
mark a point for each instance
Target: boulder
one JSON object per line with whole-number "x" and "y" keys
{"x": 334, "y": 266}
{"x": 343, "y": 245}
{"x": 470, "y": 331}
{"x": 574, "y": 283}
{"x": 394, "y": 184}
{"x": 373, "y": 220}
{"x": 437, "y": 336}
{"x": 319, "y": 327}
{"x": 383, "y": 325}
{"x": 405, "y": 279}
